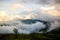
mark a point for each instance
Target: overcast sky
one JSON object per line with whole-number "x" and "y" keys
{"x": 48, "y": 10}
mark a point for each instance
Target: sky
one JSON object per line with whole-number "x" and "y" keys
{"x": 12, "y": 10}
{"x": 22, "y": 8}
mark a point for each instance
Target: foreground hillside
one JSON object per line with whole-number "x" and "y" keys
{"x": 53, "y": 35}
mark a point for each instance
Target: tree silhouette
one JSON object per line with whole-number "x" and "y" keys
{"x": 15, "y": 31}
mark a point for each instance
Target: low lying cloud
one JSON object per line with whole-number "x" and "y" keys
{"x": 22, "y": 28}
{"x": 24, "y": 10}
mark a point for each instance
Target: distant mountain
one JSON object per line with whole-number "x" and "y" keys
{"x": 32, "y": 21}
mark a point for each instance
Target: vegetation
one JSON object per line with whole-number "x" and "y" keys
{"x": 53, "y": 35}
{"x": 15, "y": 31}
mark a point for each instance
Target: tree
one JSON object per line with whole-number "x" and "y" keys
{"x": 15, "y": 31}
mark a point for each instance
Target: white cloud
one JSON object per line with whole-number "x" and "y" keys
{"x": 33, "y": 10}
{"x": 22, "y": 28}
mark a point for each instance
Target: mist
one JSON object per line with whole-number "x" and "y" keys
{"x": 44, "y": 10}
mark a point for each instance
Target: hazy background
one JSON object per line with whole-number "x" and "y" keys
{"x": 13, "y": 11}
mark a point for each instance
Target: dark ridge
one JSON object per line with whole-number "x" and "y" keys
{"x": 31, "y": 21}
{"x": 4, "y": 25}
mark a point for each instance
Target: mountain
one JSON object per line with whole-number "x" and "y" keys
{"x": 32, "y": 21}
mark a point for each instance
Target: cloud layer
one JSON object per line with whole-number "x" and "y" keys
{"x": 13, "y": 11}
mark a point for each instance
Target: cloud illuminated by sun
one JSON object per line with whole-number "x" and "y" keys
{"x": 50, "y": 10}
{"x": 2, "y": 13}
{"x": 15, "y": 6}
{"x": 6, "y": 17}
